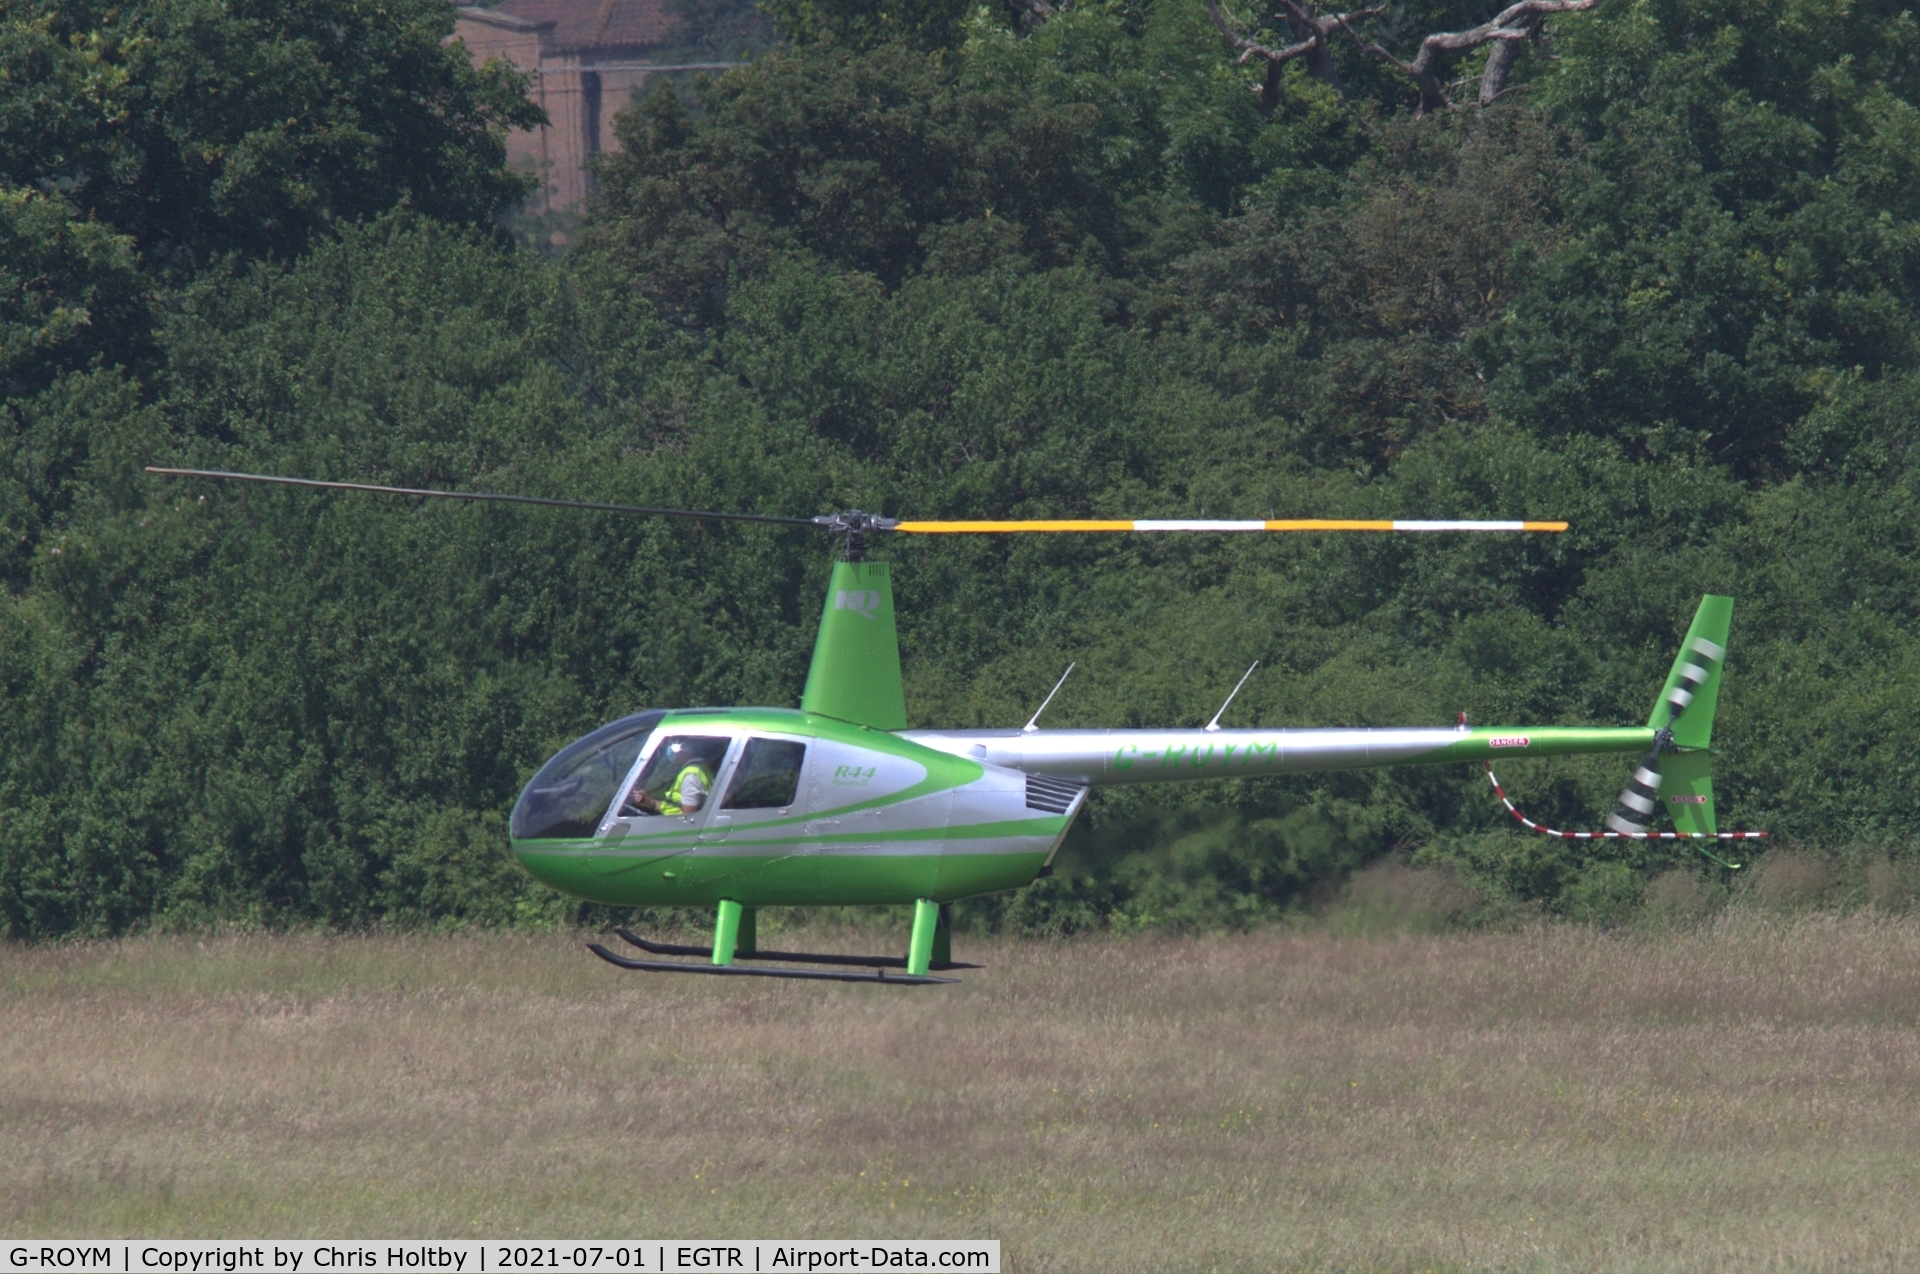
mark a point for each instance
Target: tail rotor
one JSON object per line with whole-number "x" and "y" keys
{"x": 1696, "y": 676}
{"x": 1676, "y": 773}
{"x": 1696, "y": 669}
{"x": 1640, "y": 798}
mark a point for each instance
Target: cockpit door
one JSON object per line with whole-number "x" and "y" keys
{"x": 763, "y": 787}
{"x": 650, "y": 817}
{"x": 719, "y": 820}
{"x": 762, "y": 811}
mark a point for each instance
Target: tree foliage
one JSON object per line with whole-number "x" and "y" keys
{"x": 1029, "y": 263}
{"x": 71, "y": 292}
{"x": 207, "y": 127}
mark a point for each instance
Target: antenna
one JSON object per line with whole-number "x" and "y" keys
{"x": 1031, "y": 724}
{"x": 1215, "y": 723}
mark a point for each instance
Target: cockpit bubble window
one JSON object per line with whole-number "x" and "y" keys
{"x": 570, "y": 793}
{"x": 678, "y": 776}
{"x": 768, "y": 775}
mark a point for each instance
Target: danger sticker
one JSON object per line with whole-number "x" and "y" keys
{"x": 1687, "y": 800}
{"x": 1509, "y": 741}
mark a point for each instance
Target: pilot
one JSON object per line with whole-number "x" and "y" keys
{"x": 688, "y": 791}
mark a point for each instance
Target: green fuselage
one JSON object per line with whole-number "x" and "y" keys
{"x": 853, "y": 815}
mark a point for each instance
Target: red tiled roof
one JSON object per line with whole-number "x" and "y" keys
{"x": 581, "y": 24}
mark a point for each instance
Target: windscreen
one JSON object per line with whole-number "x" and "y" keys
{"x": 567, "y": 797}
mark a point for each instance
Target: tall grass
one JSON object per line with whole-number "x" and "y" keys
{"x": 1744, "y": 1092}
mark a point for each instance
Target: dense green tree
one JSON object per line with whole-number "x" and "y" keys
{"x": 1020, "y": 263}
{"x": 266, "y": 707}
{"x": 1743, "y": 228}
{"x": 717, "y": 30}
{"x": 1377, "y": 295}
{"x": 870, "y": 160}
{"x": 865, "y": 24}
{"x": 71, "y": 293}
{"x": 203, "y": 127}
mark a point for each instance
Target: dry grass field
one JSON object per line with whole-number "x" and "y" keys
{"x": 1744, "y": 1095}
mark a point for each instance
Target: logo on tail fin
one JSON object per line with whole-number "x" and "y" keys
{"x": 863, "y": 602}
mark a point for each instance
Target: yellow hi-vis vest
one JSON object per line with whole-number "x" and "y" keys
{"x": 670, "y": 803}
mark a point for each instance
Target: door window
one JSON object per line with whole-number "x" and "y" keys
{"x": 679, "y": 776}
{"x": 768, "y": 776}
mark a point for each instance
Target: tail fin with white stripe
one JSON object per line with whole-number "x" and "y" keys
{"x": 1683, "y": 720}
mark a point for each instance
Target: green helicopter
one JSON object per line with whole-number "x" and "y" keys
{"x": 838, "y": 803}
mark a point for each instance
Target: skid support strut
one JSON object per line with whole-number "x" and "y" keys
{"x": 733, "y": 932}
{"x": 726, "y": 933}
{"x": 926, "y": 919}
{"x": 943, "y": 938}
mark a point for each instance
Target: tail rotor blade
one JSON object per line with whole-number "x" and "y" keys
{"x": 1640, "y": 798}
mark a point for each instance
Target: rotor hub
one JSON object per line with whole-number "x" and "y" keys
{"x": 855, "y": 524}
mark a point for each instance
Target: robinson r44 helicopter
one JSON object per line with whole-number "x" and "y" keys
{"x": 838, "y": 803}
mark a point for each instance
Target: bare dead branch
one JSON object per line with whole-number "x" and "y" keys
{"x": 1511, "y": 26}
{"x": 1311, "y": 32}
{"x": 1508, "y": 32}
{"x": 1311, "y": 44}
{"x": 1539, "y": 8}
{"x": 1500, "y": 60}
{"x": 1275, "y": 57}
{"x": 1251, "y": 48}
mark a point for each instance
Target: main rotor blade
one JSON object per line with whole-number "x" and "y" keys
{"x": 479, "y": 495}
{"x": 1270, "y": 524}
{"x": 856, "y": 521}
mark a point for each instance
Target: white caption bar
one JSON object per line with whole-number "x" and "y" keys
{"x": 476, "y": 1256}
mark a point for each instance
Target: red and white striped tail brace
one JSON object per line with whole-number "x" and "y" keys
{"x": 1530, "y": 825}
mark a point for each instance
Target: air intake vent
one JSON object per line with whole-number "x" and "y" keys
{"x": 1055, "y": 796}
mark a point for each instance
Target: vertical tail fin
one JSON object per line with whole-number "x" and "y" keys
{"x": 855, "y": 675}
{"x": 1692, "y": 691}
{"x": 1683, "y": 721}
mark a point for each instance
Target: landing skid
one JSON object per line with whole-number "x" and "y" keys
{"x": 802, "y": 957}
{"x": 750, "y": 971}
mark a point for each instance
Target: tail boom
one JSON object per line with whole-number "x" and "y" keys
{"x": 1113, "y": 757}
